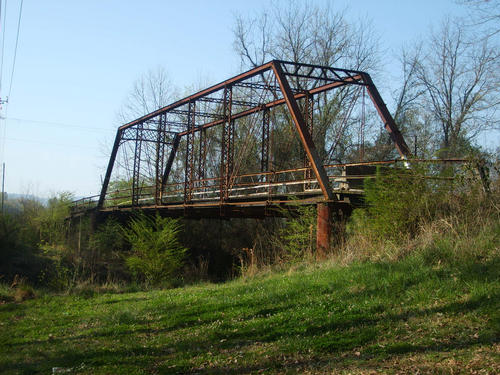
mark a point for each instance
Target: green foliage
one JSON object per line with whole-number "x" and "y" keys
{"x": 409, "y": 316}
{"x": 18, "y": 255}
{"x": 441, "y": 219}
{"x": 6, "y": 293}
{"x": 60, "y": 273}
{"x": 29, "y": 223}
{"x": 297, "y": 238}
{"x": 399, "y": 201}
{"x": 105, "y": 252}
{"x": 120, "y": 191}
{"x": 51, "y": 220}
{"x": 463, "y": 247}
{"x": 157, "y": 253}
{"x": 9, "y": 235}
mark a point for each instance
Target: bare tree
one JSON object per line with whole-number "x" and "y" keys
{"x": 308, "y": 33}
{"x": 407, "y": 111}
{"x": 410, "y": 114}
{"x": 484, "y": 14}
{"x": 149, "y": 92}
{"x": 305, "y": 32}
{"x": 461, "y": 85}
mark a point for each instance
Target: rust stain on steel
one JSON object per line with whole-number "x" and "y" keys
{"x": 386, "y": 117}
{"x": 304, "y": 134}
{"x": 249, "y": 74}
{"x": 257, "y": 91}
{"x": 278, "y": 102}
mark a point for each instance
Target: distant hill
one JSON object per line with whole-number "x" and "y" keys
{"x": 17, "y": 196}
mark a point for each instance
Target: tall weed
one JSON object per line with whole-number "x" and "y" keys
{"x": 440, "y": 218}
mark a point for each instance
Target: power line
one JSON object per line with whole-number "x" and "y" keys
{"x": 3, "y": 43}
{"x": 15, "y": 48}
{"x": 63, "y": 145}
{"x": 13, "y": 68}
{"x": 1, "y": 30}
{"x": 60, "y": 124}
{"x": 4, "y": 132}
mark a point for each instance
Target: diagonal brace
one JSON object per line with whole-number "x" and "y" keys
{"x": 170, "y": 162}
{"x": 305, "y": 136}
{"x": 387, "y": 119}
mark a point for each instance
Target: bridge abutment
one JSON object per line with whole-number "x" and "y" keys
{"x": 323, "y": 229}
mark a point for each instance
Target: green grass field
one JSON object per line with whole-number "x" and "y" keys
{"x": 410, "y": 316}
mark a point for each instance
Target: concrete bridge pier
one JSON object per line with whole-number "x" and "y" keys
{"x": 323, "y": 229}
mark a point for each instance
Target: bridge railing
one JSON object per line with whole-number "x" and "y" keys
{"x": 84, "y": 204}
{"x": 266, "y": 186}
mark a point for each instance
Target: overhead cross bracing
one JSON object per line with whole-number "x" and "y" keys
{"x": 252, "y": 140}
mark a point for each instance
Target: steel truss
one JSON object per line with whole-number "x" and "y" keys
{"x": 185, "y": 132}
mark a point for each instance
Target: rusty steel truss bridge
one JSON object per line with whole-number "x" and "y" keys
{"x": 246, "y": 146}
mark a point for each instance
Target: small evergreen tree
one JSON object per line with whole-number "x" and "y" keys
{"x": 297, "y": 237}
{"x": 157, "y": 255}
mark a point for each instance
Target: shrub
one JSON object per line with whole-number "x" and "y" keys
{"x": 105, "y": 252}
{"x": 399, "y": 201}
{"x": 157, "y": 255}
{"x": 51, "y": 220}
{"x": 297, "y": 238}
{"x": 18, "y": 256}
{"x": 439, "y": 218}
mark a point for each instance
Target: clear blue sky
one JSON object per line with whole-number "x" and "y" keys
{"x": 77, "y": 61}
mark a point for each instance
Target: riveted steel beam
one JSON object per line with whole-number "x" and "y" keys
{"x": 389, "y": 123}
{"x": 170, "y": 161}
{"x": 305, "y": 136}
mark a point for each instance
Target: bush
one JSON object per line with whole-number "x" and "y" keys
{"x": 18, "y": 256}
{"x": 437, "y": 218}
{"x": 297, "y": 238}
{"x": 399, "y": 201}
{"x": 105, "y": 253}
{"x": 157, "y": 253}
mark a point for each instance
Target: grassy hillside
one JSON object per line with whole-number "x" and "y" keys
{"x": 422, "y": 314}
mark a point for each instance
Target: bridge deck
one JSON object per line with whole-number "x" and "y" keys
{"x": 251, "y": 195}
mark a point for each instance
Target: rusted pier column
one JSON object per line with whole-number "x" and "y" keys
{"x": 323, "y": 229}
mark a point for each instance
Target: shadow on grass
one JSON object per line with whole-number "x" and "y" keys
{"x": 162, "y": 360}
{"x": 12, "y": 307}
{"x": 267, "y": 319}
{"x": 124, "y": 300}
{"x": 338, "y": 337}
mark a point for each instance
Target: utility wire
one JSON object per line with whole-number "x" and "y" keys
{"x": 63, "y": 145}
{"x": 60, "y": 124}
{"x": 15, "y": 48}
{"x": 13, "y": 69}
{"x": 3, "y": 31}
{"x": 4, "y": 132}
{"x": 3, "y": 43}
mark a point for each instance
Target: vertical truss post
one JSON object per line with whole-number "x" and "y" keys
{"x": 362, "y": 127}
{"x": 188, "y": 177}
{"x": 227, "y": 145}
{"x": 389, "y": 123}
{"x": 309, "y": 108}
{"x": 136, "y": 188}
{"x": 304, "y": 134}
{"x": 202, "y": 158}
{"x": 264, "y": 161}
{"x": 160, "y": 152}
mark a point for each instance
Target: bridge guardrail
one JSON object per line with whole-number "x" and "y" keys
{"x": 343, "y": 177}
